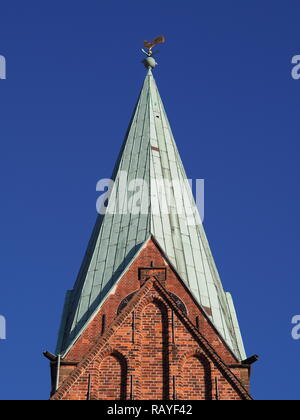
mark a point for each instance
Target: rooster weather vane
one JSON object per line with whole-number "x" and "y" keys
{"x": 150, "y": 45}
{"x": 149, "y": 62}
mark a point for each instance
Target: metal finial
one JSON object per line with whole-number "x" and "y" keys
{"x": 150, "y": 62}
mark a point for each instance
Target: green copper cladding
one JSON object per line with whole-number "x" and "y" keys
{"x": 149, "y": 153}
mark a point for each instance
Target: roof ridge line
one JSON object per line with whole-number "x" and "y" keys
{"x": 94, "y": 313}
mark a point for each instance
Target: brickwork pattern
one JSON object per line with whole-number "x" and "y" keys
{"x": 151, "y": 350}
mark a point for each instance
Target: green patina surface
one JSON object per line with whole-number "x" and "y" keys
{"x": 149, "y": 153}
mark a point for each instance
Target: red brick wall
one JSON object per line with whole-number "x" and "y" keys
{"x": 112, "y": 378}
{"x": 196, "y": 381}
{"x": 151, "y": 353}
{"x": 154, "y": 353}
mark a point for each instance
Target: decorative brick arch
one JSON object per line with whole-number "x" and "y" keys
{"x": 112, "y": 375}
{"x": 182, "y": 346}
{"x": 153, "y": 298}
{"x": 150, "y": 298}
{"x": 195, "y": 376}
{"x": 154, "y": 344}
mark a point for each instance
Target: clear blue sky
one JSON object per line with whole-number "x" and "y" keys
{"x": 74, "y": 74}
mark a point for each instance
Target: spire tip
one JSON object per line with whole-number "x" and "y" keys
{"x": 149, "y": 62}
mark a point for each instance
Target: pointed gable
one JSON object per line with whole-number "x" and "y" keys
{"x": 153, "y": 333}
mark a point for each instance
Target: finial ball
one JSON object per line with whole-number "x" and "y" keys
{"x": 149, "y": 62}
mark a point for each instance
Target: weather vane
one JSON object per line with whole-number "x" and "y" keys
{"x": 150, "y": 45}
{"x": 149, "y": 62}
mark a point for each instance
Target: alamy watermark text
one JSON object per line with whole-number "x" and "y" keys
{"x": 296, "y": 68}
{"x": 296, "y": 328}
{"x": 173, "y": 197}
{"x": 2, "y": 328}
{"x": 2, "y": 67}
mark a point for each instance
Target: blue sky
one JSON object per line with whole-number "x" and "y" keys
{"x": 73, "y": 76}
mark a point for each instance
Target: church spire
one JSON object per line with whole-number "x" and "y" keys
{"x": 149, "y": 157}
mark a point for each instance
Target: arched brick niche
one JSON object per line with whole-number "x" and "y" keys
{"x": 154, "y": 352}
{"x": 113, "y": 377}
{"x": 196, "y": 380}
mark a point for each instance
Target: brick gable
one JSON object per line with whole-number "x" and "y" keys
{"x": 151, "y": 340}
